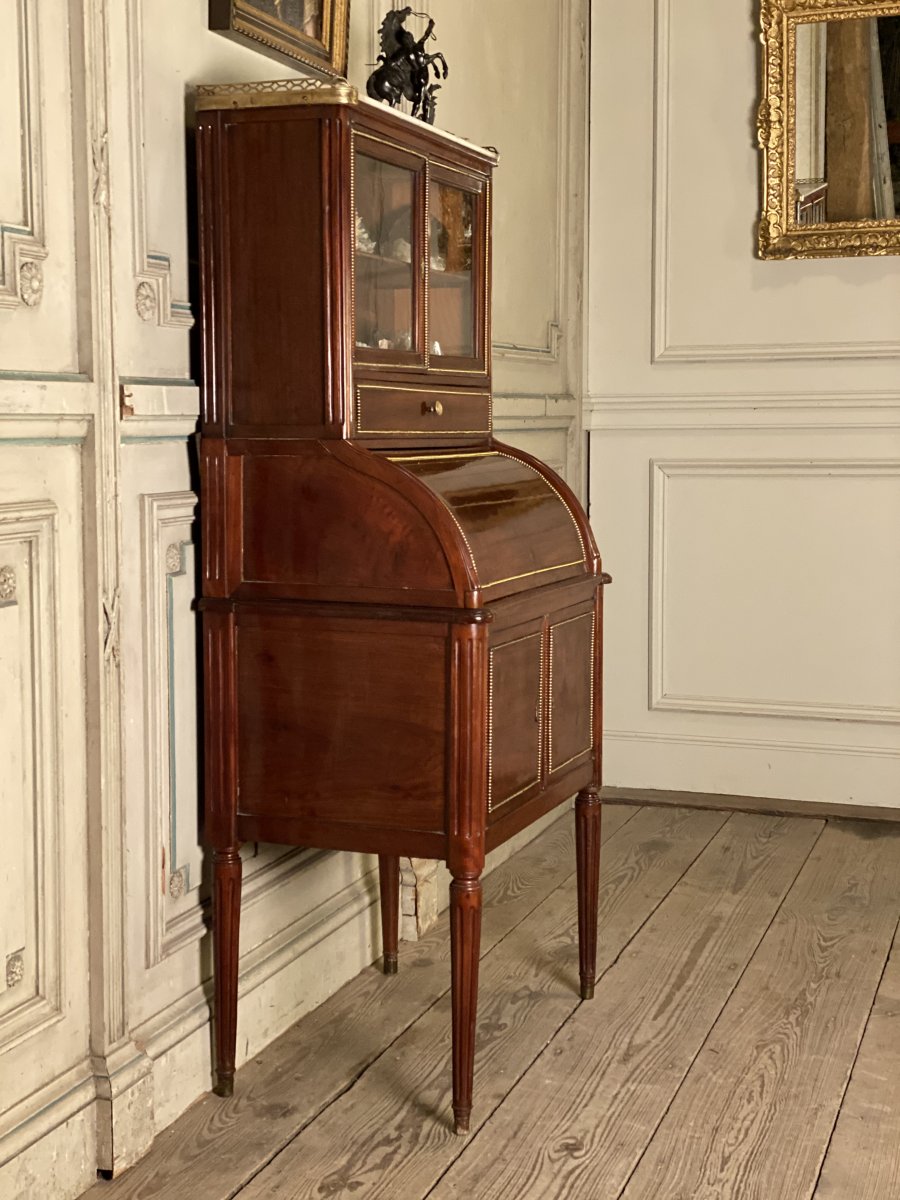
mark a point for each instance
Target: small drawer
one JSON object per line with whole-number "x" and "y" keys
{"x": 384, "y": 410}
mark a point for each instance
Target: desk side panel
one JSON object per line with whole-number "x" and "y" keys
{"x": 342, "y": 721}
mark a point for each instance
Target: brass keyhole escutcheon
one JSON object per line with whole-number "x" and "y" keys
{"x": 434, "y": 407}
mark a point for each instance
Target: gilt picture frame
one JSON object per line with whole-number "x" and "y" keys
{"x": 312, "y": 33}
{"x": 788, "y": 226}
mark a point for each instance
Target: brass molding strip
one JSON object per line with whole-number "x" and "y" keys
{"x": 276, "y": 93}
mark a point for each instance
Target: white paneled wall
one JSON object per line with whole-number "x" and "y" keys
{"x": 104, "y": 948}
{"x": 745, "y": 443}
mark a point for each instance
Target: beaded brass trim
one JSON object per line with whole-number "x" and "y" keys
{"x": 422, "y": 428}
{"x": 551, "y": 766}
{"x": 492, "y": 807}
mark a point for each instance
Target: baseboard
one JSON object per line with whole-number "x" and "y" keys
{"x": 280, "y": 981}
{"x": 750, "y": 804}
{"x": 50, "y": 1147}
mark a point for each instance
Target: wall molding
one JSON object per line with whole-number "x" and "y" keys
{"x": 662, "y": 471}
{"x": 663, "y": 349}
{"x": 23, "y": 244}
{"x": 45, "y": 1110}
{"x": 767, "y": 745}
{"x": 191, "y": 1012}
{"x": 166, "y": 519}
{"x": 153, "y": 296}
{"x": 742, "y": 411}
{"x": 570, "y": 56}
{"x": 32, "y": 529}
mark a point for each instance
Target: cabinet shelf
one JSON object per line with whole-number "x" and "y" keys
{"x": 396, "y": 273}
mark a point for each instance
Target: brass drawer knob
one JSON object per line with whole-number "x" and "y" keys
{"x": 434, "y": 407}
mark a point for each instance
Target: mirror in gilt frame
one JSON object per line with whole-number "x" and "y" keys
{"x": 829, "y": 128}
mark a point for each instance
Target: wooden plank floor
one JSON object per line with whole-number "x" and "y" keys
{"x": 742, "y": 1045}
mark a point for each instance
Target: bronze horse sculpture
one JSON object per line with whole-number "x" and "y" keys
{"x": 405, "y": 66}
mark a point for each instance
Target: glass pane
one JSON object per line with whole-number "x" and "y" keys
{"x": 384, "y": 250}
{"x": 451, "y": 317}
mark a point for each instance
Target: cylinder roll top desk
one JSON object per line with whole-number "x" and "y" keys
{"x": 401, "y": 616}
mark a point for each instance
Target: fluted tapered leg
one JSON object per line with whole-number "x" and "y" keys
{"x": 465, "y": 950}
{"x": 587, "y": 852}
{"x": 389, "y": 880}
{"x": 226, "y": 934}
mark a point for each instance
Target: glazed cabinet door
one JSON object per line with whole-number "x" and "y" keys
{"x": 457, "y": 300}
{"x": 388, "y": 255}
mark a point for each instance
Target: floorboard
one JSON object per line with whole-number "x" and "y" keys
{"x": 863, "y": 1159}
{"x": 578, "y": 1123}
{"x": 218, "y": 1145}
{"x": 755, "y": 1115}
{"x": 399, "y": 1111}
{"x": 744, "y": 1042}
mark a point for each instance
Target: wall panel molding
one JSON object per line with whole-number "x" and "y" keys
{"x": 663, "y": 348}
{"x": 22, "y": 237}
{"x": 166, "y": 524}
{"x": 743, "y": 411}
{"x": 663, "y": 471}
{"x": 767, "y": 745}
{"x": 153, "y": 296}
{"x": 31, "y": 952}
{"x": 570, "y": 56}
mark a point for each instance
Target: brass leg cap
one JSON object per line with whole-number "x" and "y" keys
{"x": 461, "y": 1123}
{"x": 390, "y": 965}
{"x": 587, "y": 991}
{"x": 225, "y": 1087}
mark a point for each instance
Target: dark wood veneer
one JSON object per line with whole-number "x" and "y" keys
{"x": 401, "y": 616}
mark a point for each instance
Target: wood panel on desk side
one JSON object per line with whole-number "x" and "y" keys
{"x": 368, "y": 534}
{"x": 278, "y": 365}
{"x": 218, "y": 1145}
{"x": 578, "y": 1122}
{"x": 863, "y": 1159}
{"x": 399, "y": 1110}
{"x": 755, "y": 1114}
{"x": 320, "y": 738}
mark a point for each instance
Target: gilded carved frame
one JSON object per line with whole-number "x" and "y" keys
{"x": 779, "y": 234}
{"x": 262, "y": 26}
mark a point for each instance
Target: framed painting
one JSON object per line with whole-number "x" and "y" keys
{"x": 311, "y": 32}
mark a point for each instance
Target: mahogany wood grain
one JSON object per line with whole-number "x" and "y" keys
{"x": 365, "y": 573}
{"x": 389, "y": 886}
{"x": 368, "y": 534}
{"x": 321, "y": 740}
{"x": 571, "y": 641}
{"x": 510, "y": 514}
{"x": 227, "y": 870}
{"x": 516, "y": 717}
{"x": 438, "y": 413}
{"x": 587, "y": 851}
{"x": 275, "y": 276}
{"x": 465, "y": 952}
